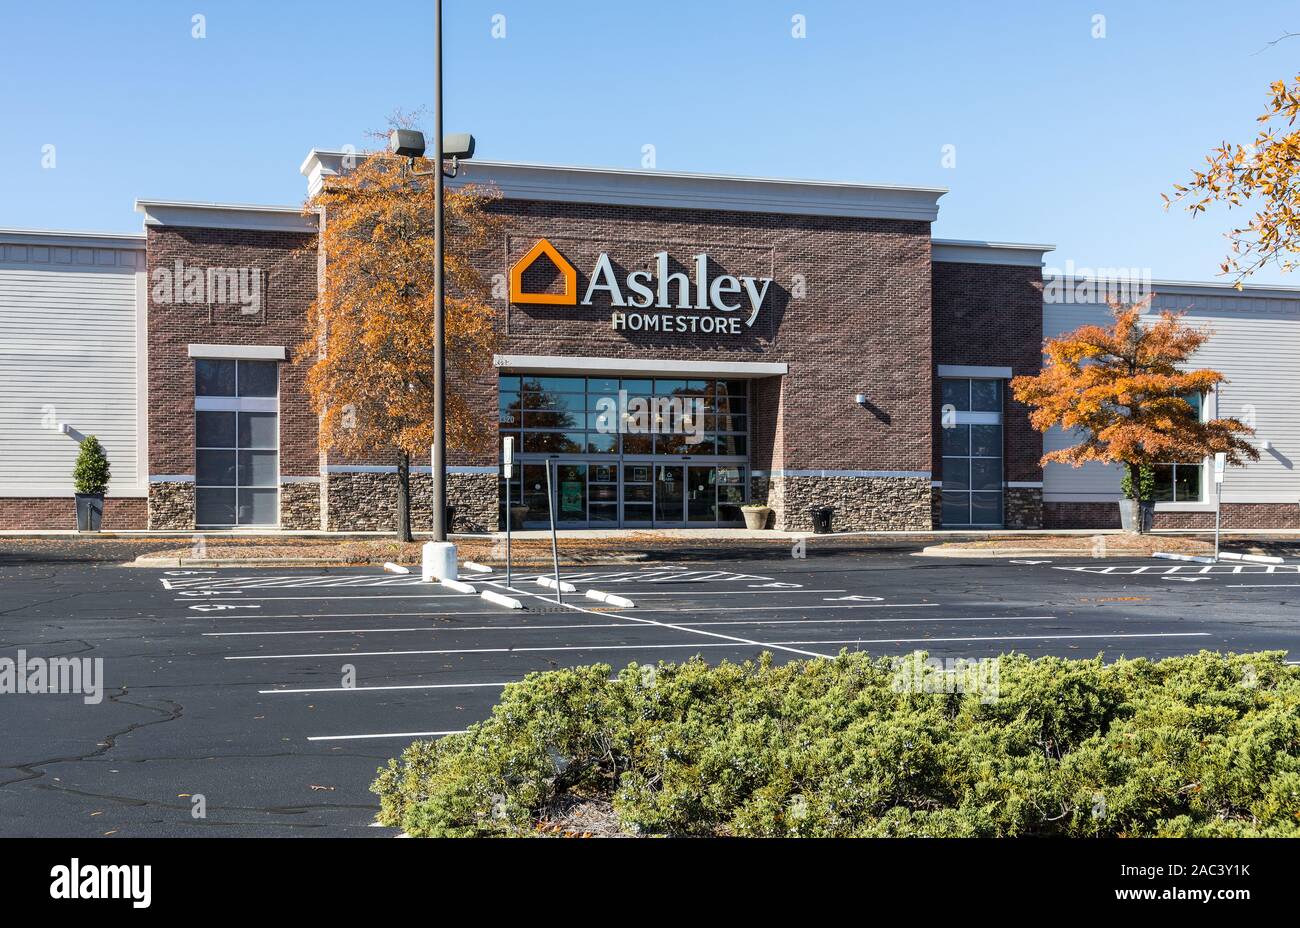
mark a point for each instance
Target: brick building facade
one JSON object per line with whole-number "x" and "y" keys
{"x": 839, "y": 356}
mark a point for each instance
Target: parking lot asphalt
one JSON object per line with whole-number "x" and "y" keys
{"x": 267, "y": 698}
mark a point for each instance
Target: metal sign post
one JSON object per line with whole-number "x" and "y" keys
{"x": 1220, "y": 465}
{"x": 508, "y": 466}
{"x": 555, "y": 551}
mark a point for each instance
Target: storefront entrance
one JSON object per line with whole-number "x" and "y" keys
{"x": 611, "y": 474}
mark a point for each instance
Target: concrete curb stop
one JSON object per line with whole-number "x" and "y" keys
{"x": 1195, "y": 558}
{"x": 611, "y": 599}
{"x": 501, "y": 600}
{"x": 1252, "y": 558}
{"x": 549, "y": 582}
{"x": 476, "y": 567}
{"x": 390, "y": 567}
{"x": 458, "y": 586}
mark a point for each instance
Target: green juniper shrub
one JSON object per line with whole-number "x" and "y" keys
{"x": 1203, "y": 745}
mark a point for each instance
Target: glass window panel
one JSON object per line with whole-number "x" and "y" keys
{"x": 670, "y": 387}
{"x": 602, "y": 385}
{"x": 258, "y": 378}
{"x": 986, "y": 441}
{"x": 554, "y": 442}
{"x": 602, "y": 493}
{"x": 562, "y": 384}
{"x": 956, "y": 474}
{"x": 986, "y": 474}
{"x": 638, "y": 512}
{"x": 636, "y": 473}
{"x": 986, "y": 508}
{"x": 214, "y": 507}
{"x": 986, "y": 395}
{"x": 604, "y": 473}
{"x": 258, "y": 469}
{"x": 729, "y": 493}
{"x": 598, "y": 443}
{"x": 733, "y": 444}
{"x": 534, "y": 491}
{"x": 726, "y": 423}
{"x": 1164, "y": 483}
{"x": 571, "y": 492}
{"x": 638, "y": 386}
{"x": 733, "y": 388}
{"x": 509, "y": 409}
{"x": 638, "y": 492}
{"x": 214, "y": 378}
{"x": 258, "y": 507}
{"x": 671, "y": 444}
{"x": 258, "y": 430}
{"x": 707, "y": 444}
{"x": 956, "y": 508}
{"x": 1187, "y": 483}
{"x": 214, "y": 468}
{"x": 604, "y": 513}
{"x": 638, "y": 444}
{"x": 956, "y": 393}
{"x": 509, "y": 383}
{"x": 551, "y": 419}
{"x": 956, "y": 439}
{"x": 698, "y": 386}
{"x": 734, "y": 406}
{"x": 214, "y": 429}
{"x": 731, "y": 474}
{"x": 603, "y": 422}
{"x": 1194, "y": 400}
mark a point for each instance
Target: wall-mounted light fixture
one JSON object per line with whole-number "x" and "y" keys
{"x": 861, "y": 400}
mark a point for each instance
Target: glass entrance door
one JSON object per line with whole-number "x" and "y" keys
{"x": 701, "y": 494}
{"x": 670, "y": 494}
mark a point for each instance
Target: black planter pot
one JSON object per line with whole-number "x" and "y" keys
{"x": 90, "y": 511}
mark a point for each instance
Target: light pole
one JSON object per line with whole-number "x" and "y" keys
{"x": 439, "y": 554}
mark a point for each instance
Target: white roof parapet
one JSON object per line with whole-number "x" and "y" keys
{"x": 225, "y": 216}
{"x": 963, "y": 251}
{"x": 669, "y": 189}
{"x": 133, "y": 241}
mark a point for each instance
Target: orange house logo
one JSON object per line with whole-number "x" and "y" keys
{"x": 570, "y": 276}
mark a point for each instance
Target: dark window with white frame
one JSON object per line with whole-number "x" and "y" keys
{"x": 971, "y": 437}
{"x": 236, "y": 431}
{"x": 1182, "y": 483}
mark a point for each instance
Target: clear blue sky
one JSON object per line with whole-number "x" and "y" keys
{"x": 1060, "y": 137}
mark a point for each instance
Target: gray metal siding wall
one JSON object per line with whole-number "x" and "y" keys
{"x": 1256, "y": 345}
{"x": 68, "y": 354}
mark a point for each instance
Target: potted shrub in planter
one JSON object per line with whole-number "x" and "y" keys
{"x": 756, "y": 515}
{"x": 90, "y": 476}
{"x": 1136, "y": 510}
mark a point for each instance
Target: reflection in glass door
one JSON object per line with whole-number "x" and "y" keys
{"x": 701, "y": 494}
{"x": 670, "y": 494}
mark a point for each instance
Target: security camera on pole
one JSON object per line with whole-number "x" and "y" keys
{"x": 439, "y": 554}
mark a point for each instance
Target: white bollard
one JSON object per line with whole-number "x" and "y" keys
{"x": 439, "y": 561}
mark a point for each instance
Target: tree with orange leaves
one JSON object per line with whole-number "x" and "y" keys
{"x": 1123, "y": 389}
{"x": 370, "y": 330}
{"x": 1263, "y": 175}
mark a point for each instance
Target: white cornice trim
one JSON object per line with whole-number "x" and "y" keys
{"x": 239, "y": 352}
{"x": 225, "y": 216}
{"x": 133, "y": 241}
{"x": 579, "y": 365}
{"x": 675, "y": 190}
{"x": 961, "y": 251}
{"x": 1183, "y": 287}
{"x": 975, "y": 370}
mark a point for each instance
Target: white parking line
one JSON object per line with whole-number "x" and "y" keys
{"x": 694, "y": 631}
{"x": 1258, "y": 586}
{"x": 494, "y": 628}
{"x": 390, "y": 734}
{"x": 784, "y": 645}
{"x": 370, "y": 689}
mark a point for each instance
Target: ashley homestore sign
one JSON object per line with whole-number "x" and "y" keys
{"x": 739, "y": 299}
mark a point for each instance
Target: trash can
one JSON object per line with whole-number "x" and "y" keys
{"x": 821, "y": 519}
